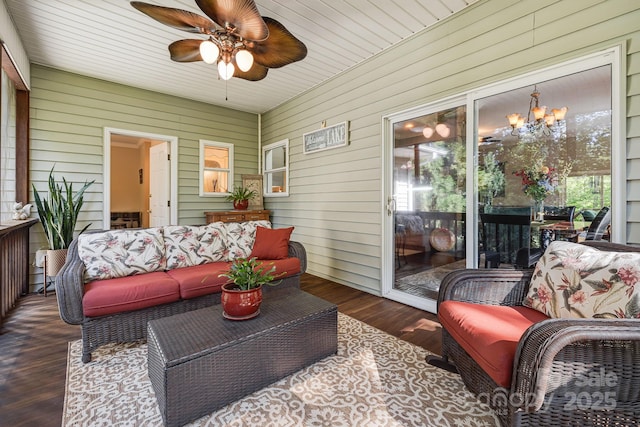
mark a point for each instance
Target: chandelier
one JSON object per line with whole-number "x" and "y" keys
{"x": 541, "y": 123}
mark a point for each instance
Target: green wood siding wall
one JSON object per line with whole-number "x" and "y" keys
{"x": 335, "y": 198}
{"x": 69, "y": 113}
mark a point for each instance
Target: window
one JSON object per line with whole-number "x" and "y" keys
{"x": 216, "y": 168}
{"x": 275, "y": 160}
{"x": 7, "y": 147}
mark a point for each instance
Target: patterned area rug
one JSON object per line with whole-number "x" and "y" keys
{"x": 427, "y": 283}
{"x": 374, "y": 380}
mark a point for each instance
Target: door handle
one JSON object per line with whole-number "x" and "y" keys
{"x": 391, "y": 205}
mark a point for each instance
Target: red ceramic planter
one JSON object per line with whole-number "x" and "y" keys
{"x": 238, "y": 304}
{"x": 240, "y": 205}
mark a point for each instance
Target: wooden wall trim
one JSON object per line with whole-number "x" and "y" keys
{"x": 22, "y": 125}
{"x": 22, "y": 146}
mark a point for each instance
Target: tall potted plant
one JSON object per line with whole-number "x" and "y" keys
{"x": 242, "y": 294}
{"x": 58, "y": 215}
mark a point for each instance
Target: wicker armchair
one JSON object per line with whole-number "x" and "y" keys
{"x": 567, "y": 372}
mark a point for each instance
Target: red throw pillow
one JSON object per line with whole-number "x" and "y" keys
{"x": 271, "y": 243}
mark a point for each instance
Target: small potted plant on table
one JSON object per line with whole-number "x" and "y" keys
{"x": 242, "y": 295}
{"x": 240, "y": 197}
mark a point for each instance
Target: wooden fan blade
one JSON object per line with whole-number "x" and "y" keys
{"x": 240, "y": 17}
{"x": 176, "y": 18}
{"x": 185, "y": 50}
{"x": 257, "y": 72}
{"x": 280, "y": 49}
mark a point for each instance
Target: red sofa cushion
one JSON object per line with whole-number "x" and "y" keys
{"x": 204, "y": 279}
{"x": 488, "y": 333}
{"x": 109, "y": 296}
{"x": 199, "y": 280}
{"x": 289, "y": 266}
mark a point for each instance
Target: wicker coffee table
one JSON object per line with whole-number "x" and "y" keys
{"x": 199, "y": 361}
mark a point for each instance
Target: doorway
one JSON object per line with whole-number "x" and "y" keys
{"x": 140, "y": 184}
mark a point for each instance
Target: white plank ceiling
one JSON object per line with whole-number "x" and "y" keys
{"x": 110, "y": 40}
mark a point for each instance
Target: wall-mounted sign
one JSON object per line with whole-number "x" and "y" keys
{"x": 326, "y": 138}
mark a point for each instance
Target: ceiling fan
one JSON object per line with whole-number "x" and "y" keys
{"x": 241, "y": 42}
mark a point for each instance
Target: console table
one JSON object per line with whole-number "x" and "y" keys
{"x": 237, "y": 216}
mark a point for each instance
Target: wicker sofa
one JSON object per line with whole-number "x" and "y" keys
{"x": 115, "y": 281}
{"x": 555, "y": 370}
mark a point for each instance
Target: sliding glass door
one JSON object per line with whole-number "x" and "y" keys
{"x": 429, "y": 181}
{"x": 480, "y": 179}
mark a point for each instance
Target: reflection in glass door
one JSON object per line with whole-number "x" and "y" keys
{"x": 429, "y": 179}
{"x": 548, "y": 177}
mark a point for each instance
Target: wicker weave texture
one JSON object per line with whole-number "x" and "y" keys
{"x": 198, "y": 361}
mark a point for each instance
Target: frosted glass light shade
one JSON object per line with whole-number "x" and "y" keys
{"x": 225, "y": 71}
{"x": 513, "y": 118}
{"x": 549, "y": 119}
{"x": 443, "y": 130}
{"x": 427, "y": 132}
{"x": 209, "y": 51}
{"x": 538, "y": 112}
{"x": 244, "y": 59}
{"x": 560, "y": 113}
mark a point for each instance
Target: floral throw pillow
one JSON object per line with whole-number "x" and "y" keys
{"x": 576, "y": 281}
{"x": 119, "y": 253}
{"x": 241, "y": 236}
{"x": 194, "y": 245}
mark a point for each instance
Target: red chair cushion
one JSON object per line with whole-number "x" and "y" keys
{"x": 201, "y": 279}
{"x": 109, "y": 296}
{"x": 488, "y": 333}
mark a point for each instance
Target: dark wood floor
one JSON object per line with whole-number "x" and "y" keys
{"x": 33, "y": 346}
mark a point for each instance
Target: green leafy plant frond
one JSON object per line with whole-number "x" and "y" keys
{"x": 241, "y": 193}
{"x": 251, "y": 273}
{"x": 59, "y": 212}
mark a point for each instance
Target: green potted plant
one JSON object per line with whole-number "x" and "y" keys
{"x": 240, "y": 197}
{"x": 58, "y": 215}
{"x": 242, "y": 294}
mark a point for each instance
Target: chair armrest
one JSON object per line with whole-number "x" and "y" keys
{"x": 70, "y": 287}
{"x": 297, "y": 250}
{"x": 586, "y": 359}
{"x": 491, "y": 286}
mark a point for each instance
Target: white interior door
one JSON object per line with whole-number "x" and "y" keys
{"x": 159, "y": 186}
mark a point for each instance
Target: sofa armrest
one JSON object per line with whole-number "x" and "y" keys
{"x": 485, "y": 286}
{"x": 574, "y": 360}
{"x": 70, "y": 287}
{"x": 297, "y": 250}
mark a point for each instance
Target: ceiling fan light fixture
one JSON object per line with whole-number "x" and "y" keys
{"x": 225, "y": 70}
{"x": 244, "y": 60}
{"x": 209, "y": 51}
